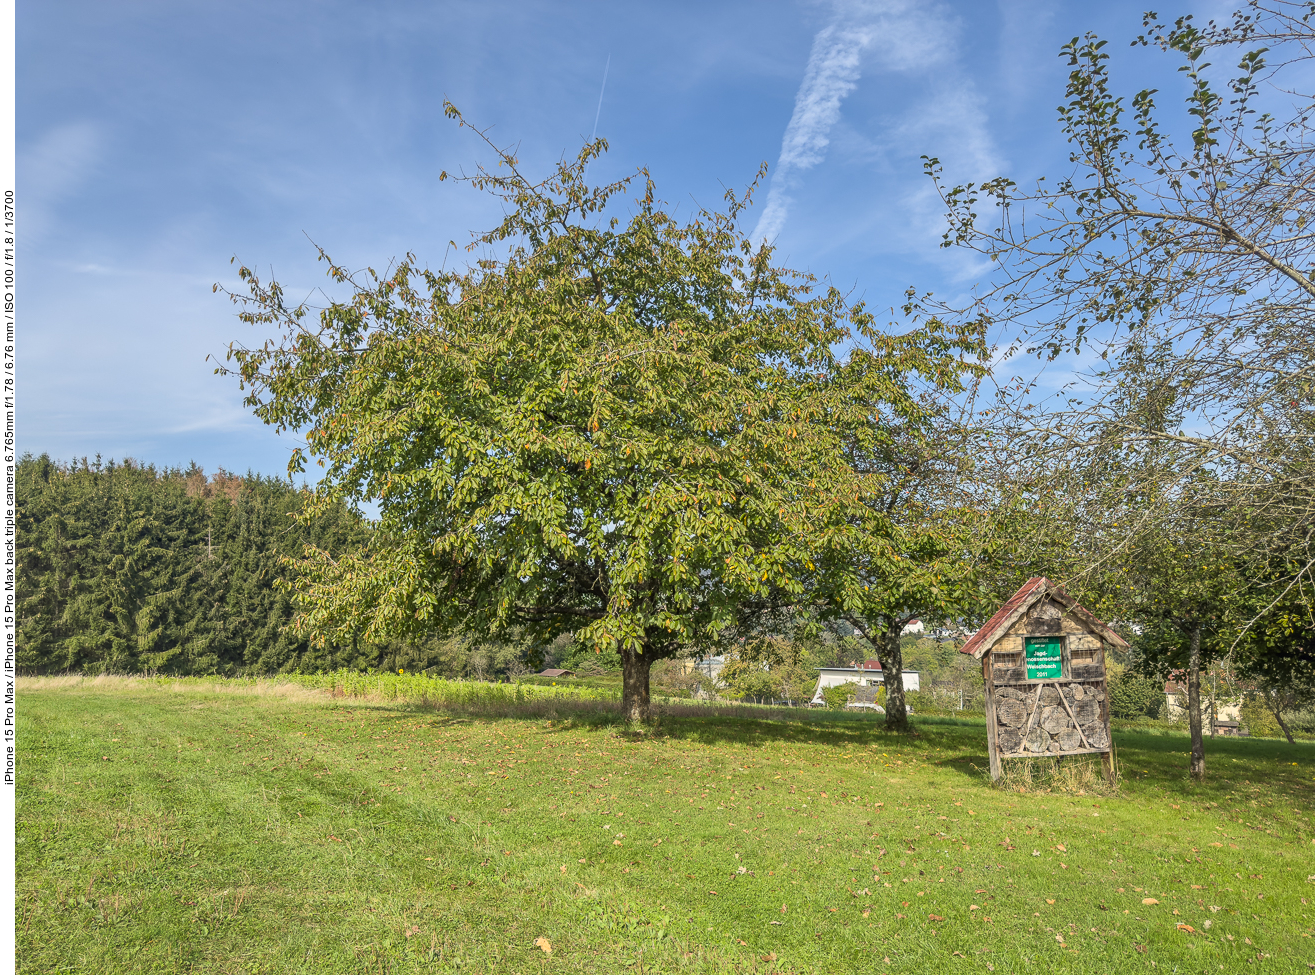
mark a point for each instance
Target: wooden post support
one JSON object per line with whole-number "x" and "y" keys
{"x": 992, "y": 751}
{"x": 1107, "y": 764}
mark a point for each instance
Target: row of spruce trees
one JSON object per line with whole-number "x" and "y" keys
{"x": 126, "y": 568}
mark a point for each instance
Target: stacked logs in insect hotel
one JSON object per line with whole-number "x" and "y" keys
{"x": 1043, "y": 661}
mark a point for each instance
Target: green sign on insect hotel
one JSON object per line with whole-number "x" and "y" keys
{"x": 1043, "y": 661}
{"x": 1044, "y": 657}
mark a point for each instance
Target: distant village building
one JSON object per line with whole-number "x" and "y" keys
{"x": 555, "y": 673}
{"x": 913, "y": 628}
{"x": 867, "y": 674}
{"x": 947, "y": 634}
{"x": 1227, "y": 712}
{"x": 711, "y": 667}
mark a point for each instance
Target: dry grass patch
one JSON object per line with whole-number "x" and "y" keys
{"x": 262, "y": 687}
{"x": 1079, "y": 775}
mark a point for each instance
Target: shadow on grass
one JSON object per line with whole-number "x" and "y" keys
{"x": 1232, "y": 765}
{"x": 956, "y": 744}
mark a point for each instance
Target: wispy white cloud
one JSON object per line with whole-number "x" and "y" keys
{"x": 891, "y": 35}
{"x": 832, "y": 73}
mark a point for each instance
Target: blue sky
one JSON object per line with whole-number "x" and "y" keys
{"x": 158, "y": 140}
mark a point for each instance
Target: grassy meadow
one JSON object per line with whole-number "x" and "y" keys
{"x": 277, "y": 828}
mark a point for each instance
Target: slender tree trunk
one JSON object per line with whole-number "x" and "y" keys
{"x": 892, "y": 672}
{"x": 635, "y": 703}
{"x": 1277, "y": 712}
{"x": 1214, "y": 710}
{"x": 1288, "y": 734}
{"x": 1194, "y": 705}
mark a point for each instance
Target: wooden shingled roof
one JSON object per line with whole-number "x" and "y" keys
{"x": 1020, "y": 602}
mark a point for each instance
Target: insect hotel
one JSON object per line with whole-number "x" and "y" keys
{"x": 1043, "y": 661}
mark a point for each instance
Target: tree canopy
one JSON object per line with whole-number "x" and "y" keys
{"x": 612, "y": 422}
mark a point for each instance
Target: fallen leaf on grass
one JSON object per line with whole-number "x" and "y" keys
{"x": 1187, "y": 927}
{"x": 1149, "y": 900}
{"x": 935, "y": 917}
{"x": 973, "y": 907}
{"x": 768, "y": 957}
{"x": 1142, "y": 949}
{"x": 544, "y": 945}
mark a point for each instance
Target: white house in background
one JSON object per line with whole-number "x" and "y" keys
{"x": 912, "y": 628}
{"x": 711, "y": 666}
{"x": 867, "y": 674}
{"x": 1227, "y": 710}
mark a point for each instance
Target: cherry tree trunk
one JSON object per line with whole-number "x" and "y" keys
{"x": 892, "y": 672}
{"x": 636, "y": 706}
